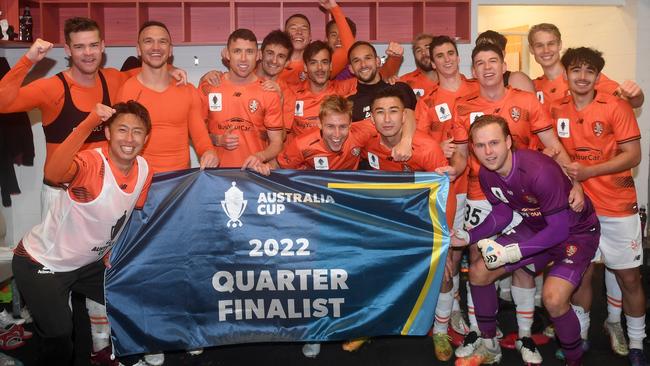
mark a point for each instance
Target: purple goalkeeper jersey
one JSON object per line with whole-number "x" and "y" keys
{"x": 536, "y": 187}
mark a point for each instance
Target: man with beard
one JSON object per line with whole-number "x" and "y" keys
{"x": 244, "y": 120}
{"x": 424, "y": 78}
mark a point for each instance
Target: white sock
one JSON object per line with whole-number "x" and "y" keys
{"x": 524, "y": 299}
{"x": 505, "y": 284}
{"x": 491, "y": 343}
{"x": 539, "y": 284}
{"x": 454, "y": 290}
{"x": 614, "y": 297}
{"x": 473, "y": 324}
{"x": 443, "y": 312}
{"x": 99, "y": 328}
{"x": 635, "y": 330}
{"x": 584, "y": 319}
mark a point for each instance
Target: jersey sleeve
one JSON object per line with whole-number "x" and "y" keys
{"x": 607, "y": 85}
{"x": 340, "y": 56}
{"x": 391, "y": 66}
{"x": 288, "y": 107}
{"x": 345, "y": 87}
{"x": 540, "y": 119}
{"x": 145, "y": 191}
{"x": 548, "y": 187}
{"x": 433, "y": 157}
{"x": 197, "y": 128}
{"x": 273, "y": 118}
{"x": 363, "y": 131}
{"x": 422, "y": 121}
{"x": 483, "y": 181}
{"x": 410, "y": 100}
{"x": 624, "y": 122}
{"x": 460, "y": 127}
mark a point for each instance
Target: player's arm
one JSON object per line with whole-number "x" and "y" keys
{"x": 15, "y": 98}
{"x": 145, "y": 191}
{"x": 199, "y": 133}
{"x": 395, "y": 56}
{"x": 497, "y": 220}
{"x": 632, "y": 92}
{"x": 61, "y": 168}
{"x": 340, "y": 56}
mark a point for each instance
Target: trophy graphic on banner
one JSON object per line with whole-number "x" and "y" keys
{"x": 234, "y": 205}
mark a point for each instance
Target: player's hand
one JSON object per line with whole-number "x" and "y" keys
{"x": 449, "y": 170}
{"x": 496, "y": 255}
{"x": 460, "y": 238}
{"x": 394, "y": 49}
{"x": 252, "y": 162}
{"x": 402, "y": 151}
{"x": 228, "y": 140}
{"x": 391, "y": 80}
{"x": 551, "y": 152}
{"x": 448, "y": 147}
{"x": 263, "y": 168}
{"x": 272, "y": 86}
{"x": 209, "y": 159}
{"x": 577, "y": 171}
{"x": 38, "y": 50}
{"x": 179, "y": 75}
{"x": 107, "y": 259}
{"x": 213, "y": 77}
{"x": 104, "y": 112}
{"x": 577, "y": 198}
{"x": 629, "y": 89}
{"x": 327, "y": 4}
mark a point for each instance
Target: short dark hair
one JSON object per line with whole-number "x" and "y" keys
{"x": 79, "y": 24}
{"x": 297, "y": 15}
{"x": 359, "y": 44}
{"x": 280, "y": 38}
{"x": 484, "y": 47}
{"x": 313, "y": 48}
{"x": 131, "y": 107}
{"x": 390, "y": 91}
{"x": 439, "y": 41}
{"x": 242, "y": 33}
{"x": 153, "y": 23}
{"x": 493, "y": 37}
{"x": 353, "y": 26}
{"x": 583, "y": 56}
{"x": 488, "y": 119}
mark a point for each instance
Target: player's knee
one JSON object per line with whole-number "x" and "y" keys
{"x": 629, "y": 280}
{"x": 478, "y": 274}
{"x": 555, "y": 302}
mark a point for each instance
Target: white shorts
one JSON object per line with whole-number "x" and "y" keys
{"x": 620, "y": 242}
{"x": 477, "y": 210}
{"x": 48, "y": 195}
{"x": 459, "y": 218}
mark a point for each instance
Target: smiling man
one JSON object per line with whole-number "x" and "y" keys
{"x": 245, "y": 120}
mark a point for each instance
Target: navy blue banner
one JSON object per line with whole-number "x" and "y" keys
{"x": 226, "y": 256}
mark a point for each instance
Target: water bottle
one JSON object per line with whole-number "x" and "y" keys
{"x": 26, "y": 26}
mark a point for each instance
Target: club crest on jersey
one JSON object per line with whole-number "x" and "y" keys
{"x": 531, "y": 199}
{"x": 253, "y": 105}
{"x": 515, "y": 113}
{"x": 373, "y": 160}
{"x": 598, "y": 128}
{"x": 443, "y": 112}
{"x": 563, "y": 128}
{"x": 299, "y": 110}
{"x": 571, "y": 250}
{"x": 215, "y": 102}
{"x": 302, "y": 76}
{"x": 321, "y": 163}
{"x": 498, "y": 193}
{"x": 418, "y": 92}
{"x": 473, "y": 116}
{"x": 234, "y": 205}
{"x": 356, "y": 151}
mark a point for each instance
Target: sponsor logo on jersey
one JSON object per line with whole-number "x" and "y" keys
{"x": 356, "y": 151}
{"x": 373, "y": 160}
{"x": 531, "y": 199}
{"x": 321, "y": 163}
{"x": 515, "y": 113}
{"x": 215, "y": 102}
{"x": 234, "y": 205}
{"x": 473, "y": 116}
{"x": 443, "y": 112}
{"x": 598, "y": 128}
{"x": 540, "y": 96}
{"x": 253, "y": 105}
{"x": 299, "y": 110}
{"x": 418, "y": 92}
{"x": 563, "y": 128}
{"x": 302, "y": 76}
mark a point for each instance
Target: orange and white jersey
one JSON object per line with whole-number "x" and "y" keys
{"x": 549, "y": 91}
{"x": 419, "y": 82}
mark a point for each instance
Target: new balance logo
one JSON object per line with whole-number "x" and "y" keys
{"x": 45, "y": 270}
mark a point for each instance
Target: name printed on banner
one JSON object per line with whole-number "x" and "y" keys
{"x": 272, "y": 203}
{"x": 279, "y": 280}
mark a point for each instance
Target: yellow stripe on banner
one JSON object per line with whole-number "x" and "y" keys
{"x": 436, "y": 242}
